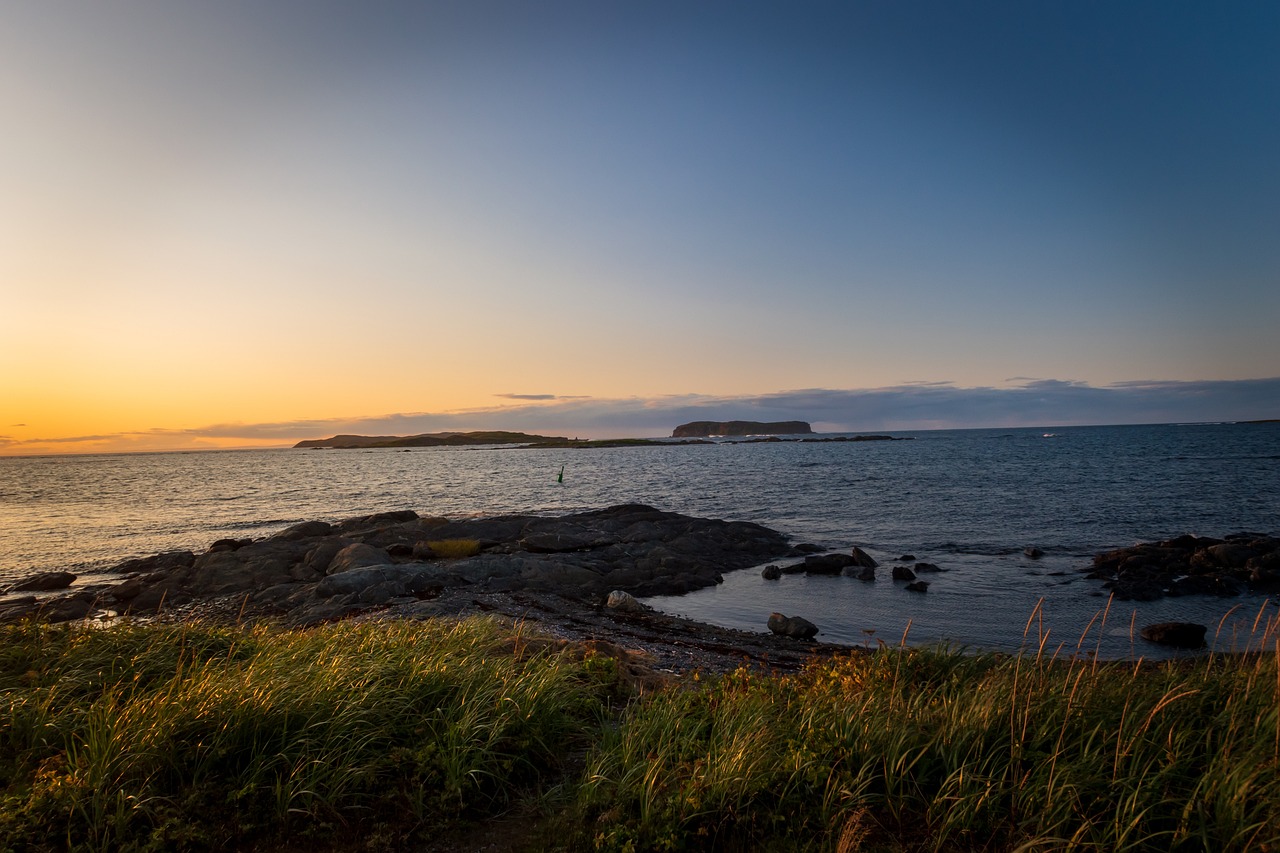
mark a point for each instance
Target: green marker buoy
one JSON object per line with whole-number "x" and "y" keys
{"x": 560, "y": 479}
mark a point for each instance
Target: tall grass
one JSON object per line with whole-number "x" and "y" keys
{"x": 199, "y": 737}
{"x": 194, "y": 737}
{"x": 928, "y": 750}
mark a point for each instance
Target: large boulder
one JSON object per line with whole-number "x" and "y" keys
{"x": 827, "y": 564}
{"x": 1180, "y": 635}
{"x": 792, "y": 626}
{"x": 355, "y": 556}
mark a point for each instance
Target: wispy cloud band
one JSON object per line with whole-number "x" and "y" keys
{"x": 1034, "y": 402}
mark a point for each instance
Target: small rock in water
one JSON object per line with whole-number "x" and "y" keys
{"x": 918, "y": 586}
{"x": 902, "y": 573}
{"x": 1032, "y": 553}
{"x": 927, "y": 567}
{"x": 862, "y": 573}
{"x": 907, "y": 558}
{"x": 771, "y": 573}
{"x": 808, "y": 548}
{"x": 1180, "y": 635}
{"x": 862, "y": 558}
{"x": 792, "y": 626}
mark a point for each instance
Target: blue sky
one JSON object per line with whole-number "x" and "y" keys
{"x": 297, "y": 213}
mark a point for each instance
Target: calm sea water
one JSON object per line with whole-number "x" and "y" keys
{"x": 968, "y": 500}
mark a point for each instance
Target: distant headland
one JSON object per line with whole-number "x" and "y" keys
{"x": 698, "y": 432}
{"x": 433, "y": 439}
{"x": 706, "y": 429}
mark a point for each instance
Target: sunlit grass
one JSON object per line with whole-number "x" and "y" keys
{"x": 193, "y": 737}
{"x": 923, "y": 750}
{"x": 199, "y": 737}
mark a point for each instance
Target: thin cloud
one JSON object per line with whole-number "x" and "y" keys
{"x": 1038, "y": 402}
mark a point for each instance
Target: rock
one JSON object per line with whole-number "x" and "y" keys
{"x": 771, "y": 573}
{"x": 902, "y": 573}
{"x": 792, "y": 626}
{"x": 557, "y": 543}
{"x": 357, "y": 555}
{"x": 67, "y": 609}
{"x": 405, "y": 579}
{"x": 160, "y": 562}
{"x": 927, "y": 567}
{"x": 907, "y": 558}
{"x": 633, "y": 548}
{"x": 808, "y": 548}
{"x": 862, "y": 573}
{"x": 1180, "y": 635}
{"x": 625, "y": 601}
{"x": 376, "y": 520}
{"x": 317, "y": 558}
{"x": 18, "y": 608}
{"x": 43, "y": 582}
{"x": 827, "y": 564}
{"x": 862, "y": 558}
{"x": 1032, "y": 553}
{"x": 1189, "y": 565}
{"x": 305, "y": 530}
{"x": 918, "y": 586}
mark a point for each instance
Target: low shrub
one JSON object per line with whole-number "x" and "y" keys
{"x": 454, "y": 548}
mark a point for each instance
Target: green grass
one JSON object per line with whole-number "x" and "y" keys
{"x": 194, "y": 737}
{"x": 922, "y": 750}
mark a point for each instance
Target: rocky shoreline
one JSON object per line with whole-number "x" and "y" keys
{"x": 578, "y": 576}
{"x": 557, "y": 571}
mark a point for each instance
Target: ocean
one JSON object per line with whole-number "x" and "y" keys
{"x": 967, "y": 500}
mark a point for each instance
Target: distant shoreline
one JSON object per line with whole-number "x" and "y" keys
{"x": 525, "y": 441}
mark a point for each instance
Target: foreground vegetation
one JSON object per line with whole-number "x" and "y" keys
{"x": 199, "y": 737}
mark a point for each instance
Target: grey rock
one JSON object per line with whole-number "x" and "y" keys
{"x": 918, "y": 586}
{"x": 792, "y": 626}
{"x": 827, "y": 564}
{"x": 924, "y": 568}
{"x": 1032, "y": 553}
{"x": 862, "y": 573}
{"x": 902, "y": 573}
{"x": 305, "y": 530}
{"x": 357, "y": 555}
{"x": 43, "y": 582}
{"x": 411, "y": 577}
{"x": 625, "y": 601}
{"x": 862, "y": 558}
{"x": 771, "y": 573}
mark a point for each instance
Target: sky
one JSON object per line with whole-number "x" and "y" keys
{"x": 248, "y": 223}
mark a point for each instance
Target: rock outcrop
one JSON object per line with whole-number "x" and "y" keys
{"x": 1191, "y": 565}
{"x": 317, "y": 571}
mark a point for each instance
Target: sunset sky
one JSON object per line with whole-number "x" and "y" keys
{"x": 246, "y": 223}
